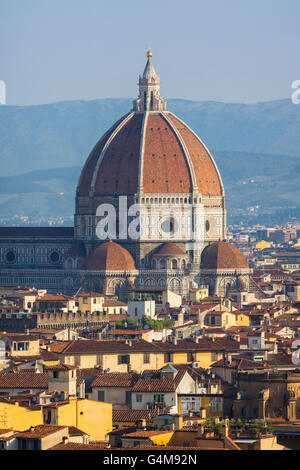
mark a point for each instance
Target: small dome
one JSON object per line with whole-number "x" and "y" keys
{"x": 169, "y": 249}
{"x": 109, "y": 257}
{"x": 223, "y": 255}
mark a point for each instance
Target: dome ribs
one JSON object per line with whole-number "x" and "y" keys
{"x": 163, "y": 173}
{"x": 223, "y": 255}
{"x": 207, "y": 176}
{"x": 118, "y": 172}
{"x": 109, "y": 256}
{"x": 86, "y": 176}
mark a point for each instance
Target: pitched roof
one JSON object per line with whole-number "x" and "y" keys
{"x": 40, "y": 431}
{"x": 79, "y": 446}
{"x": 27, "y": 380}
{"x": 115, "y": 379}
{"x": 145, "y": 434}
{"x": 240, "y": 362}
{"x": 131, "y": 416}
{"x": 20, "y": 337}
{"x": 159, "y": 385}
{"x": 115, "y": 346}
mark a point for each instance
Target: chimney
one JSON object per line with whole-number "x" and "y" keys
{"x": 178, "y": 422}
{"x": 172, "y": 339}
{"x": 141, "y": 424}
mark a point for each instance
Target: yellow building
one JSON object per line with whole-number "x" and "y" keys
{"x": 146, "y": 438}
{"x": 220, "y": 319}
{"x": 263, "y": 244}
{"x": 19, "y": 418}
{"x": 18, "y": 344}
{"x": 92, "y": 417}
{"x": 122, "y": 356}
{"x": 198, "y": 294}
{"x": 242, "y": 319}
{"x": 90, "y": 302}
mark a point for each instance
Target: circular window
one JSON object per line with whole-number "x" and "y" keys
{"x": 207, "y": 225}
{"x": 54, "y": 257}
{"x": 10, "y": 256}
{"x": 167, "y": 226}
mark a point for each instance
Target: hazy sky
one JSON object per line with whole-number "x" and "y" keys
{"x": 225, "y": 50}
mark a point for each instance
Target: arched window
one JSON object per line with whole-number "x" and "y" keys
{"x": 162, "y": 264}
{"x": 174, "y": 263}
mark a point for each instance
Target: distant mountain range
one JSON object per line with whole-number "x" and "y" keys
{"x": 256, "y": 147}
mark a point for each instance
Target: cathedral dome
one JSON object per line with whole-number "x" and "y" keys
{"x": 149, "y": 150}
{"x": 109, "y": 256}
{"x": 223, "y": 255}
{"x": 169, "y": 249}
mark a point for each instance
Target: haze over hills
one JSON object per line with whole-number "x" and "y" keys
{"x": 256, "y": 147}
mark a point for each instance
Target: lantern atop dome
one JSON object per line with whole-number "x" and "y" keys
{"x": 149, "y": 90}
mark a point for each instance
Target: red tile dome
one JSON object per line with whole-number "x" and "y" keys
{"x": 169, "y": 249}
{"x": 150, "y": 150}
{"x": 109, "y": 256}
{"x": 223, "y": 255}
{"x": 172, "y": 158}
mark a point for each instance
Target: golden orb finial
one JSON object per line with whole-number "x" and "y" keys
{"x": 149, "y": 53}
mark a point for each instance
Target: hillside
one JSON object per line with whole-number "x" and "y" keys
{"x": 257, "y": 149}
{"x": 62, "y": 134}
{"x": 265, "y": 180}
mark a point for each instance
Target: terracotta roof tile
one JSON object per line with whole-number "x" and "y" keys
{"x": 27, "y": 380}
{"x": 169, "y": 249}
{"x": 223, "y": 255}
{"x": 132, "y": 416}
{"x": 115, "y": 379}
{"x": 109, "y": 256}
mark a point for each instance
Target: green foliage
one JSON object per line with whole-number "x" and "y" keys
{"x": 254, "y": 431}
{"x": 130, "y": 323}
{"x": 157, "y": 324}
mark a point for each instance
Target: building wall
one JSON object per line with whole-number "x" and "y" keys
{"x": 115, "y": 396}
{"x": 136, "y": 361}
{"x": 18, "y": 417}
{"x": 92, "y": 417}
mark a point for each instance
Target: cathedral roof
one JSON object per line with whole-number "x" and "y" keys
{"x": 109, "y": 256}
{"x": 149, "y": 150}
{"x": 169, "y": 249}
{"x": 223, "y": 255}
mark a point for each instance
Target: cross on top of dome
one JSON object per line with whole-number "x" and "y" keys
{"x": 149, "y": 90}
